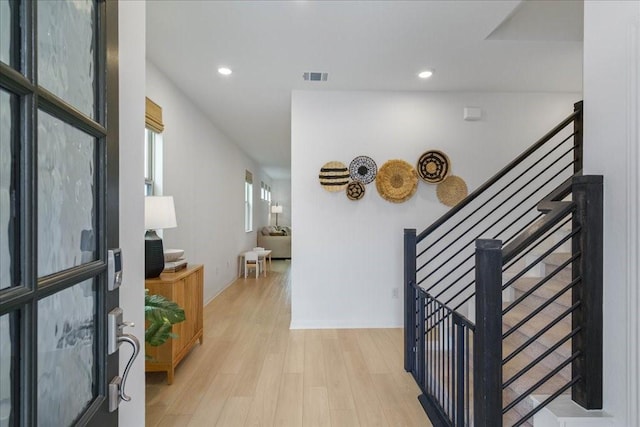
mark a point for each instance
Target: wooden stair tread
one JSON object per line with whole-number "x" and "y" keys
{"x": 557, "y": 258}
{"x": 532, "y": 327}
{"x": 545, "y": 292}
{"x": 532, "y": 376}
{"x": 516, "y": 339}
{"x": 551, "y": 337}
{"x": 511, "y": 417}
{"x": 551, "y": 287}
{"x": 522, "y": 360}
{"x": 522, "y": 384}
{"x": 535, "y": 324}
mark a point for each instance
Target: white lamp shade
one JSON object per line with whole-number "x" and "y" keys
{"x": 276, "y": 209}
{"x": 159, "y": 212}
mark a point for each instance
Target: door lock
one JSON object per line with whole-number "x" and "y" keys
{"x": 114, "y": 269}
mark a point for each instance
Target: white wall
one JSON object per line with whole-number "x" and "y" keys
{"x": 611, "y": 58}
{"x": 348, "y": 255}
{"x": 131, "y": 57}
{"x": 205, "y": 173}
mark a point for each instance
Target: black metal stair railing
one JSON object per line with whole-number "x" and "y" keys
{"x": 565, "y": 359}
{"x": 440, "y": 258}
{"x": 500, "y": 209}
{"x": 464, "y": 367}
{"x": 445, "y": 361}
{"x": 521, "y": 207}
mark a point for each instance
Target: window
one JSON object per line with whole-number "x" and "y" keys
{"x": 265, "y": 192}
{"x": 248, "y": 201}
{"x": 149, "y": 163}
{"x": 152, "y": 148}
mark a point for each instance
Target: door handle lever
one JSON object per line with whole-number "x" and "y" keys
{"x": 116, "y": 337}
{"x": 128, "y": 338}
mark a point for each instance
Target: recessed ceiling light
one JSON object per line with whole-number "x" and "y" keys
{"x": 224, "y": 71}
{"x": 425, "y": 74}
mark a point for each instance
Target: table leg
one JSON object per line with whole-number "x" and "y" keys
{"x": 170, "y": 376}
{"x": 240, "y": 265}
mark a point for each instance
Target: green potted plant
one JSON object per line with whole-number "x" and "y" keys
{"x": 160, "y": 314}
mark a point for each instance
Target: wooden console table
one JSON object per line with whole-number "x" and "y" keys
{"x": 185, "y": 289}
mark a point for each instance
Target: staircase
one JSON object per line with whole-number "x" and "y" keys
{"x": 557, "y": 298}
{"x": 502, "y": 292}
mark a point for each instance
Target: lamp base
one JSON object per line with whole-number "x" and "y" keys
{"x": 153, "y": 255}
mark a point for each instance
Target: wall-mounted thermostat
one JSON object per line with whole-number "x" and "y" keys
{"x": 472, "y": 114}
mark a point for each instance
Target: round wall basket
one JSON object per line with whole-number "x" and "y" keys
{"x": 355, "y": 190}
{"x": 334, "y": 176}
{"x": 397, "y": 181}
{"x": 433, "y": 166}
{"x": 363, "y": 169}
{"x": 451, "y": 191}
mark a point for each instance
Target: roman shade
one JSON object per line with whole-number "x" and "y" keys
{"x": 153, "y": 116}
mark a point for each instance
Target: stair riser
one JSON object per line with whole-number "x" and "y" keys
{"x": 543, "y": 246}
{"x": 564, "y": 274}
{"x": 521, "y": 409}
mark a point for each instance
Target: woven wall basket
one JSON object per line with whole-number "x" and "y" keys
{"x": 451, "y": 191}
{"x": 363, "y": 169}
{"x": 433, "y": 166}
{"x": 334, "y": 176}
{"x": 355, "y": 190}
{"x": 396, "y": 181}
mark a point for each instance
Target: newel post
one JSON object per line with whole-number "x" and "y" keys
{"x": 588, "y": 196}
{"x": 487, "y": 340}
{"x": 577, "y": 138}
{"x": 409, "y": 298}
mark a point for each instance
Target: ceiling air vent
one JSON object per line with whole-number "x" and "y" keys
{"x": 315, "y": 77}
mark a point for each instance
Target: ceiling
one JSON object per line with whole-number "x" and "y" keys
{"x": 363, "y": 45}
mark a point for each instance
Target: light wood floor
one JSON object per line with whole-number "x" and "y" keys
{"x": 253, "y": 371}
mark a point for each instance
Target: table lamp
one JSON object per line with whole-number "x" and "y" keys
{"x": 276, "y": 209}
{"x": 159, "y": 213}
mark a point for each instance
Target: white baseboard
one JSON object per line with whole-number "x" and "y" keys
{"x": 220, "y": 291}
{"x": 564, "y": 412}
{"x": 342, "y": 324}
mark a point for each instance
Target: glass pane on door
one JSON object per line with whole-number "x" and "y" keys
{"x": 6, "y": 41}
{"x": 66, "y": 51}
{"x": 7, "y": 224}
{"x": 8, "y": 369}
{"x": 66, "y": 196}
{"x": 66, "y": 354}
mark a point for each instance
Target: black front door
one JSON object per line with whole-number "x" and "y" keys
{"x": 58, "y": 210}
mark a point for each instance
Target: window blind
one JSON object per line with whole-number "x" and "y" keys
{"x": 153, "y": 116}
